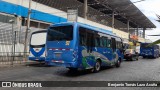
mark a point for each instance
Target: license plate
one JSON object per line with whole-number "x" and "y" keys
{"x": 58, "y": 55}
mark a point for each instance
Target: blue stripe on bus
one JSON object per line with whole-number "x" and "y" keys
{"x": 14, "y": 9}
{"x": 37, "y": 54}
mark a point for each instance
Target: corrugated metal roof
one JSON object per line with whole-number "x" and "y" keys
{"x": 125, "y": 9}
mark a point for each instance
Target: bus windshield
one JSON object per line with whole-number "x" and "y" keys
{"x": 38, "y": 39}
{"x": 60, "y": 33}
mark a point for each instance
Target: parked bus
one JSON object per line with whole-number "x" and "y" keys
{"x": 37, "y": 45}
{"x": 149, "y": 51}
{"x": 126, "y": 46}
{"x": 80, "y": 46}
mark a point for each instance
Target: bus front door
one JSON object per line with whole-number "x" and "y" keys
{"x": 113, "y": 46}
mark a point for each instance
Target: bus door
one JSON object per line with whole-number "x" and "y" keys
{"x": 113, "y": 46}
{"x": 86, "y": 39}
{"x": 90, "y": 44}
{"x": 108, "y": 50}
{"x": 86, "y": 45}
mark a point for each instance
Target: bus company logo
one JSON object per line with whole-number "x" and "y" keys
{"x": 6, "y": 84}
{"x": 67, "y": 42}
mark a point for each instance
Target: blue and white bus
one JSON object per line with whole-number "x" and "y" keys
{"x": 37, "y": 45}
{"x": 79, "y": 46}
{"x": 149, "y": 51}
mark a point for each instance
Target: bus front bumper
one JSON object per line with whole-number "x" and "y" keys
{"x": 36, "y": 58}
{"x": 62, "y": 63}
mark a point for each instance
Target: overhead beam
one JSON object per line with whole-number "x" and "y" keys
{"x": 113, "y": 19}
{"x": 117, "y": 2}
{"x": 85, "y": 9}
{"x": 128, "y": 29}
{"x": 144, "y": 32}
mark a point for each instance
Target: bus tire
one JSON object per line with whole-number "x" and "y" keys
{"x": 96, "y": 67}
{"x": 118, "y": 63}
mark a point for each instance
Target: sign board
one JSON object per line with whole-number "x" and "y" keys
{"x": 125, "y": 40}
{"x": 134, "y": 37}
{"x": 72, "y": 15}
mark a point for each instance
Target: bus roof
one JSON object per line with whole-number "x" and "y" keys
{"x": 87, "y": 26}
{"x": 145, "y": 43}
{"x": 149, "y": 43}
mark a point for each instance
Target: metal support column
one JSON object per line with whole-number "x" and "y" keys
{"x": 128, "y": 29}
{"x": 137, "y": 33}
{"x": 12, "y": 21}
{"x": 14, "y": 48}
{"x": 144, "y": 32}
{"x": 113, "y": 20}
{"x": 26, "y": 34}
{"x": 85, "y": 8}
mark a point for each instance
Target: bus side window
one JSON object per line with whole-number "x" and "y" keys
{"x": 89, "y": 39}
{"x": 101, "y": 42}
{"x": 121, "y": 45}
{"x": 97, "y": 42}
{"x": 117, "y": 44}
{"x": 109, "y": 43}
{"x": 105, "y": 41}
{"x": 113, "y": 44}
{"x": 92, "y": 40}
{"x": 82, "y": 40}
{"x": 82, "y": 36}
{"x": 96, "y": 39}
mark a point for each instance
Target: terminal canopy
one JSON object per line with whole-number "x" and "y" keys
{"x": 124, "y": 10}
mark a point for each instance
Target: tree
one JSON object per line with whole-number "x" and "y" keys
{"x": 158, "y": 18}
{"x": 158, "y": 41}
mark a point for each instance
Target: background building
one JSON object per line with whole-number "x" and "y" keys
{"x": 121, "y": 17}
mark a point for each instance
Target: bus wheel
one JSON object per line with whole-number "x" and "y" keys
{"x": 97, "y": 67}
{"x": 118, "y": 63}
